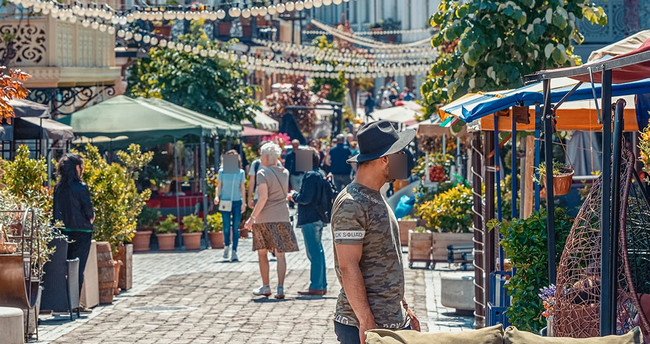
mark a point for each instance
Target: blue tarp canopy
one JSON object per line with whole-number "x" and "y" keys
{"x": 475, "y": 106}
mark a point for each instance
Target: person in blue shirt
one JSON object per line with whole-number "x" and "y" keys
{"x": 339, "y": 167}
{"x": 231, "y": 187}
{"x": 308, "y": 200}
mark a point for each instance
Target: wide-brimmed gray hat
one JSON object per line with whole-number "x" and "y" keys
{"x": 378, "y": 139}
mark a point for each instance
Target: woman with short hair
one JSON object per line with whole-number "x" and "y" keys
{"x": 270, "y": 223}
{"x": 231, "y": 188}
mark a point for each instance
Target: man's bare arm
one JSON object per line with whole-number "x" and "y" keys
{"x": 353, "y": 284}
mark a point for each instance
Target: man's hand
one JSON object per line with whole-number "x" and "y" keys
{"x": 415, "y": 323}
{"x": 251, "y": 202}
{"x": 291, "y": 195}
{"x": 243, "y": 207}
{"x": 363, "y": 327}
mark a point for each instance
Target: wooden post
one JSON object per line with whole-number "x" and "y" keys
{"x": 529, "y": 170}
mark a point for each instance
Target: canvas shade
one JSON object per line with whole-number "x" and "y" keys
{"x": 397, "y": 114}
{"x": 475, "y": 106}
{"x": 32, "y": 128}
{"x": 137, "y": 120}
{"x": 263, "y": 121}
{"x": 249, "y": 131}
{"x": 27, "y": 108}
{"x": 634, "y": 72}
{"x": 623, "y": 46}
{"x": 223, "y": 128}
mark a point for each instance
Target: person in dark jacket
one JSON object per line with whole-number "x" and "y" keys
{"x": 73, "y": 207}
{"x": 308, "y": 200}
{"x": 339, "y": 168}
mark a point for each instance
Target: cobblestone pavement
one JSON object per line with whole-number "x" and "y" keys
{"x": 196, "y": 297}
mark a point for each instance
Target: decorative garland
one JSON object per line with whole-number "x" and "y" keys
{"x": 372, "y": 33}
{"x": 365, "y": 41}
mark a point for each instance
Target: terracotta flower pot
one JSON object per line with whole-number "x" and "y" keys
{"x": 105, "y": 272}
{"x": 141, "y": 241}
{"x": 192, "y": 241}
{"x": 404, "y": 227}
{"x": 166, "y": 241}
{"x": 216, "y": 240}
{"x": 419, "y": 248}
{"x": 562, "y": 184}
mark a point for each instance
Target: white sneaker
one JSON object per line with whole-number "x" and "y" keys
{"x": 233, "y": 256}
{"x": 264, "y": 290}
{"x": 226, "y": 252}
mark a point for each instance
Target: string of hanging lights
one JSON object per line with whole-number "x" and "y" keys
{"x": 372, "y": 33}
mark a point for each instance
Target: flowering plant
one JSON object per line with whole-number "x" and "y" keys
{"x": 281, "y": 139}
{"x": 644, "y": 149}
{"x": 547, "y": 294}
{"x": 449, "y": 211}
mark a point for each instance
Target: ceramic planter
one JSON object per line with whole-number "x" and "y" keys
{"x": 125, "y": 254}
{"x": 419, "y": 248}
{"x": 442, "y": 240}
{"x": 141, "y": 241}
{"x": 404, "y": 227}
{"x": 216, "y": 240}
{"x": 166, "y": 241}
{"x": 192, "y": 241}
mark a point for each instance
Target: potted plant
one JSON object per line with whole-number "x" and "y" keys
{"x": 193, "y": 226}
{"x": 147, "y": 219}
{"x": 406, "y": 224}
{"x": 215, "y": 225}
{"x": 166, "y": 233}
{"x": 449, "y": 215}
{"x": 419, "y": 246}
{"x": 562, "y": 177}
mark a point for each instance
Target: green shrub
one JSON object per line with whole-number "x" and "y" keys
{"x": 524, "y": 242}
{"x": 193, "y": 224}
{"x": 167, "y": 226}
{"x": 449, "y": 211}
{"x": 215, "y": 222}
{"x": 148, "y": 217}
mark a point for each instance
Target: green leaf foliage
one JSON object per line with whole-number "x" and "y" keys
{"x": 525, "y": 244}
{"x": 334, "y": 89}
{"x": 193, "y": 223}
{"x": 168, "y": 225}
{"x": 114, "y": 194}
{"x": 215, "y": 222}
{"x": 214, "y": 86}
{"x": 489, "y": 45}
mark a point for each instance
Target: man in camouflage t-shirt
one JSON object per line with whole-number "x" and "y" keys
{"x": 367, "y": 251}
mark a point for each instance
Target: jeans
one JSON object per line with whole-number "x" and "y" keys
{"x": 341, "y": 181}
{"x": 80, "y": 248}
{"x": 347, "y": 334}
{"x": 312, "y": 233}
{"x": 233, "y": 218}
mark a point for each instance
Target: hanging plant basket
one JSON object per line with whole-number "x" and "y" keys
{"x": 562, "y": 182}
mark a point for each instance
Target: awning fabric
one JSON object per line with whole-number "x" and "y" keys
{"x": 26, "y": 108}
{"x": 249, "y": 131}
{"x": 398, "y": 114}
{"x": 141, "y": 120}
{"x": 475, "y": 106}
{"x": 621, "y": 47}
{"x": 6, "y": 132}
{"x": 32, "y": 128}
{"x": 263, "y": 121}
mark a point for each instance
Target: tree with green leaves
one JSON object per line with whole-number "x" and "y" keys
{"x": 489, "y": 45}
{"x": 211, "y": 85}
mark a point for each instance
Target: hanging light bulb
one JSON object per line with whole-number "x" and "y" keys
{"x": 290, "y": 6}
{"x": 162, "y": 43}
{"x": 337, "y": 2}
{"x": 221, "y": 14}
{"x": 154, "y": 41}
{"x": 188, "y": 48}
{"x": 280, "y": 8}
{"x": 234, "y": 12}
{"x": 128, "y": 35}
{"x": 212, "y": 53}
{"x": 318, "y": 3}
{"x": 212, "y": 16}
{"x": 180, "y": 46}
{"x": 94, "y": 25}
{"x": 263, "y": 11}
{"x": 170, "y": 45}
{"x": 103, "y": 27}
{"x": 146, "y": 39}
{"x": 272, "y": 9}
{"x": 255, "y": 11}
{"x": 195, "y": 50}
{"x": 120, "y": 33}
{"x": 137, "y": 37}
{"x": 327, "y": 2}
{"x": 299, "y": 5}
{"x": 246, "y": 13}
{"x": 72, "y": 19}
{"x": 204, "y": 53}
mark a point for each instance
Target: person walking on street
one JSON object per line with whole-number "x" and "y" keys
{"x": 367, "y": 251}
{"x": 73, "y": 206}
{"x": 270, "y": 223}
{"x": 295, "y": 177}
{"x": 339, "y": 168}
{"x": 231, "y": 199}
{"x": 308, "y": 200}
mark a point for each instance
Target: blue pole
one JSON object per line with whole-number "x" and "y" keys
{"x": 497, "y": 172}
{"x": 513, "y": 171}
{"x": 538, "y": 154}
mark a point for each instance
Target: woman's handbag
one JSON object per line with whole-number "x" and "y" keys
{"x": 226, "y": 206}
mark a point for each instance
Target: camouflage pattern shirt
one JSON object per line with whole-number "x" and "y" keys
{"x": 360, "y": 215}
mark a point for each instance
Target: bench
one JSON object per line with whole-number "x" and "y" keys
{"x": 462, "y": 253}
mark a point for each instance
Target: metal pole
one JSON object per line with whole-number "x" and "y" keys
{"x": 548, "y": 157}
{"x": 489, "y": 240}
{"x": 538, "y": 153}
{"x": 616, "y": 204}
{"x": 179, "y": 237}
{"x": 513, "y": 165}
{"x": 479, "y": 237}
{"x": 204, "y": 189}
{"x": 217, "y": 154}
{"x": 497, "y": 185}
{"x": 444, "y": 144}
{"x": 607, "y": 307}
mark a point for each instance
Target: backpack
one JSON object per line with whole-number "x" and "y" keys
{"x": 326, "y": 201}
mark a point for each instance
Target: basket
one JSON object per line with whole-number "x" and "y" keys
{"x": 562, "y": 183}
